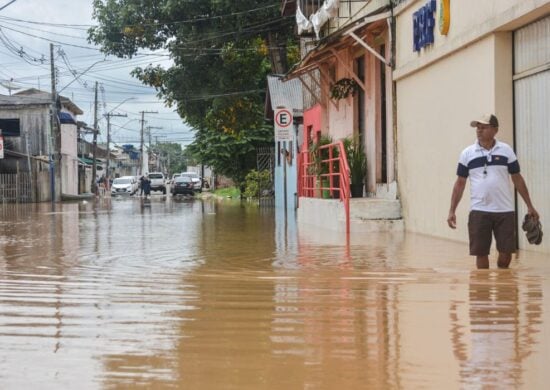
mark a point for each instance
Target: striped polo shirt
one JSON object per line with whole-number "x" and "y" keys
{"x": 489, "y": 170}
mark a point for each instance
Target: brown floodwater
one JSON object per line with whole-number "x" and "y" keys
{"x": 219, "y": 295}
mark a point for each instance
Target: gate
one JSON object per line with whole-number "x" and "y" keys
{"x": 16, "y": 187}
{"x": 264, "y": 162}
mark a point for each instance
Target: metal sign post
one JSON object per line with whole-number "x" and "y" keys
{"x": 1, "y": 145}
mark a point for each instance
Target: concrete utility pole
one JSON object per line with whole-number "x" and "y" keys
{"x": 141, "y": 136}
{"x": 94, "y": 145}
{"x": 108, "y": 116}
{"x": 55, "y": 153}
{"x": 149, "y": 128}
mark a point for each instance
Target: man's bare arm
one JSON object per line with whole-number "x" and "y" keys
{"x": 458, "y": 190}
{"x": 520, "y": 185}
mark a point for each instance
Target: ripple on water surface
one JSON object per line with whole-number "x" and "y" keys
{"x": 211, "y": 295}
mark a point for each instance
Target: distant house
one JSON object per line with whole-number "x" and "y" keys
{"x": 126, "y": 161}
{"x": 26, "y": 124}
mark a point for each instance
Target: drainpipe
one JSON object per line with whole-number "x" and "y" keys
{"x": 392, "y": 31}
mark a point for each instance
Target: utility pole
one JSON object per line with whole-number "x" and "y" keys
{"x": 94, "y": 145}
{"x": 109, "y": 115}
{"x": 141, "y": 142}
{"x": 55, "y": 152}
{"x": 149, "y": 128}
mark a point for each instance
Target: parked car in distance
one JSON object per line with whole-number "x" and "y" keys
{"x": 174, "y": 176}
{"x": 125, "y": 185}
{"x": 135, "y": 182}
{"x": 197, "y": 181}
{"x": 182, "y": 185}
{"x": 158, "y": 182}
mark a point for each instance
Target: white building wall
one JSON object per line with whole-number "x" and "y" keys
{"x": 69, "y": 160}
{"x": 440, "y": 90}
{"x": 435, "y": 108}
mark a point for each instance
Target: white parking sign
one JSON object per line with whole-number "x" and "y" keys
{"x": 283, "y": 125}
{"x": 1, "y": 147}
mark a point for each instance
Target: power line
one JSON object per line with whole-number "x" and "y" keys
{"x": 194, "y": 20}
{"x": 11, "y": 2}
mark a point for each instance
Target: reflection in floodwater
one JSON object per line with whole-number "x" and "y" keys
{"x": 505, "y": 315}
{"x": 211, "y": 294}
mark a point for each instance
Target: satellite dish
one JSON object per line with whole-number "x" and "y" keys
{"x": 10, "y": 85}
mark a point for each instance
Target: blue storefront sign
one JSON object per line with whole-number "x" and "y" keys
{"x": 424, "y": 25}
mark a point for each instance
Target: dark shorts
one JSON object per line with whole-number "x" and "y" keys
{"x": 482, "y": 225}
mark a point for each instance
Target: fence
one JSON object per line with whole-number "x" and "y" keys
{"x": 265, "y": 162}
{"x": 16, "y": 187}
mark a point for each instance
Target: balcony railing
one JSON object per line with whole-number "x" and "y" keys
{"x": 323, "y": 17}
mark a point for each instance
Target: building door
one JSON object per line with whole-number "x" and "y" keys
{"x": 532, "y": 118}
{"x": 382, "y": 156}
{"x": 360, "y": 100}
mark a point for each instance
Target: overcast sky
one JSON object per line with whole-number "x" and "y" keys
{"x": 27, "y": 27}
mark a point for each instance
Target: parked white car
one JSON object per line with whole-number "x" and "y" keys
{"x": 197, "y": 181}
{"x": 125, "y": 185}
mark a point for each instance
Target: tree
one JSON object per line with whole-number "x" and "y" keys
{"x": 222, "y": 51}
{"x": 173, "y": 156}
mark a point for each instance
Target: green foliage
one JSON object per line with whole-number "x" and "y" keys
{"x": 256, "y": 182}
{"x": 174, "y": 153}
{"x": 317, "y": 155}
{"x": 221, "y": 53}
{"x": 231, "y": 155}
{"x": 229, "y": 192}
{"x": 357, "y": 160}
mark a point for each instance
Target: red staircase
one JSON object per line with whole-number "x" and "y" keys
{"x": 333, "y": 182}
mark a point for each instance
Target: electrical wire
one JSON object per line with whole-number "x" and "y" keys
{"x": 194, "y": 20}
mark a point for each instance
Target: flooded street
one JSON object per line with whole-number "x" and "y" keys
{"x": 218, "y": 295}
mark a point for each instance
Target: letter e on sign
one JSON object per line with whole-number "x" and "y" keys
{"x": 283, "y": 125}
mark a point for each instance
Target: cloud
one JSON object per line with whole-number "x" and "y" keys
{"x": 25, "y": 49}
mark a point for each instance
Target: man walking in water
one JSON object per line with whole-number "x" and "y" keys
{"x": 488, "y": 163}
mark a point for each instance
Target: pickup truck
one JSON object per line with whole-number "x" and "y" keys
{"x": 158, "y": 182}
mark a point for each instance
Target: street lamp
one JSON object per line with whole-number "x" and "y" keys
{"x": 124, "y": 125}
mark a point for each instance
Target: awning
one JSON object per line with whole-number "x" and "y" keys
{"x": 65, "y": 117}
{"x": 90, "y": 161}
{"x": 85, "y": 161}
{"x": 329, "y": 45}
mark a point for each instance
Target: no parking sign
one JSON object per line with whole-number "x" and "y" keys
{"x": 283, "y": 125}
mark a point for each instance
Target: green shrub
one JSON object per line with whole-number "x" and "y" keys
{"x": 257, "y": 182}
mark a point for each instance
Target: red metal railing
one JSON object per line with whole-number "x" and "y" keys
{"x": 325, "y": 173}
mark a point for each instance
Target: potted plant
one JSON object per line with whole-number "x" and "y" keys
{"x": 343, "y": 88}
{"x": 357, "y": 160}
